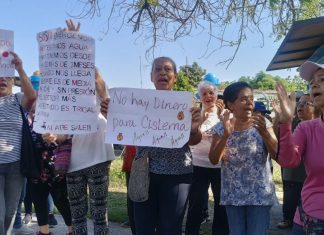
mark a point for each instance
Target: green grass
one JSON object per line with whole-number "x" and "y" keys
{"x": 117, "y": 205}
{"x": 117, "y": 199}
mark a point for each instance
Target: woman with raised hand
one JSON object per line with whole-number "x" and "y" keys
{"x": 305, "y": 145}
{"x": 11, "y": 180}
{"x": 242, "y": 144}
{"x": 91, "y": 158}
{"x": 205, "y": 173}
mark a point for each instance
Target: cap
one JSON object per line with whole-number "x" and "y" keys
{"x": 315, "y": 62}
{"x": 260, "y": 106}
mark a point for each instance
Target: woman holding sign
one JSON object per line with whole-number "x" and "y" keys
{"x": 170, "y": 169}
{"x": 11, "y": 180}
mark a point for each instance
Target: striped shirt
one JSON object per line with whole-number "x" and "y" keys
{"x": 10, "y": 128}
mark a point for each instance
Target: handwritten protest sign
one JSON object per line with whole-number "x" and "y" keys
{"x": 6, "y": 45}
{"x": 145, "y": 117}
{"x": 66, "y": 102}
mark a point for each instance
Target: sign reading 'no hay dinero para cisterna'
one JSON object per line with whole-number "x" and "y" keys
{"x": 145, "y": 117}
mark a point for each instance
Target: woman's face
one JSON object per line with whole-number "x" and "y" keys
{"x": 6, "y": 85}
{"x": 305, "y": 108}
{"x": 317, "y": 89}
{"x": 163, "y": 74}
{"x": 243, "y": 106}
{"x": 208, "y": 97}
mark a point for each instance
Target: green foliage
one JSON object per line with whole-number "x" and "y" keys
{"x": 289, "y": 11}
{"x": 183, "y": 83}
{"x": 224, "y": 84}
{"x": 194, "y": 72}
{"x": 264, "y": 81}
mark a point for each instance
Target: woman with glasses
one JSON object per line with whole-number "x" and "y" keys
{"x": 306, "y": 144}
{"x": 242, "y": 144}
{"x": 293, "y": 178}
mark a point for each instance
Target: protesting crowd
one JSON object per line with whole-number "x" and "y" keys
{"x": 232, "y": 141}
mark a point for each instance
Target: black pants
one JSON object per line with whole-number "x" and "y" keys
{"x": 291, "y": 198}
{"x": 163, "y": 212}
{"x": 202, "y": 178}
{"x": 28, "y": 198}
{"x": 58, "y": 190}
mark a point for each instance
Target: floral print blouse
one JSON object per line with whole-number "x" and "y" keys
{"x": 47, "y": 154}
{"x": 246, "y": 176}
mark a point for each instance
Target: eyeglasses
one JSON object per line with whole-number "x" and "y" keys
{"x": 305, "y": 104}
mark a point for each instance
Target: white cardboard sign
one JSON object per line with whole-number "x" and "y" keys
{"x": 6, "y": 45}
{"x": 66, "y": 102}
{"x": 145, "y": 117}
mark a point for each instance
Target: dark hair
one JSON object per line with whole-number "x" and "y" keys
{"x": 167, "y": 59}
{"x": 232, "y": 91}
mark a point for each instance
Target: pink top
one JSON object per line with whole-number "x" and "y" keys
{"x": 307, "y": 141}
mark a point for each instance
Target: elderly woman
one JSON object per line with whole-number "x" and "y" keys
{"x": 306, "y": 144}
{"x": 205, "y": 173}
{"x": 11, "y": 180}
{"x": 242, "y": 144}
{"x": 170, "y": 169}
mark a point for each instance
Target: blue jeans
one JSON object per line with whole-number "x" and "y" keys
{"x": 11, "y": 183}
{"x": 298, "y": 230}
{"x": 50, "y": 204}
{"x": 248, "y": 220}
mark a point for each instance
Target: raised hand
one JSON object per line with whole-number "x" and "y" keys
{"x": 287, "y": 103}
{"x": 228, "y": 123}
{"x": 16, "y": 61}
{"x": 104, "y": 107}
{"x": 275, "y": 104}
{"x": 100, "y": 85}
{"x": 220, "y": 107}
{"x": 71, "y": 26}
{"x": 196, "y": 119}
{"x": 258, "y": 121}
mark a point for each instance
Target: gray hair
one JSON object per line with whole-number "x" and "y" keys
{"x": 206, "y": 84}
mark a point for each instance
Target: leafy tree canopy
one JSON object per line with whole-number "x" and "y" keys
{"x": 228, "y": 22}
{"x": 264, "y": 81}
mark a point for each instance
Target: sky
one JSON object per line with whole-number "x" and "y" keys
{"x": 120, "y": 56}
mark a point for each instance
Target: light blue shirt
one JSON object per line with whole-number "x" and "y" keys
{"x": 246, "y": 175}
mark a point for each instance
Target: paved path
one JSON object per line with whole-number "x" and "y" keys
{"x": 60, "y": 229}
{"x": 117, "y": 229}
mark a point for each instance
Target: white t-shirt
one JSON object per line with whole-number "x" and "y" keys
{"x": 200, "y": 151}
{"x": 91, "y": 149}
